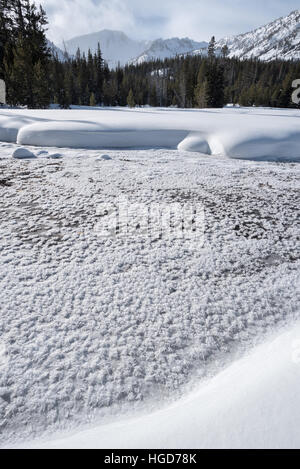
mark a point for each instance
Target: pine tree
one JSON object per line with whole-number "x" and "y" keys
{"x": 212, "y": 48}
{"x": 92, "y": 100}
{"x": 215, "y": 85}
{"x": 286, "y": 91}
{"x": 214, "y": 78}
{"x": 130, "y": 99}
{"x": 26, "y": 49}
{"x": 225, "y": 51}
{"x": 19, "y": 75}
{"x": 201, "y": 87}
{"x": 99, "y": 65}
{"x": 41, "y": 91}
{"x": 6, "y": 32}
{"x": 201, "y": 94}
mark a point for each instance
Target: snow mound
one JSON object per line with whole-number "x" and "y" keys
{"x": 254, "y": 403}
{"x": 258, "y": 144}
{"x": 104, "y": 157}
{"x": 55, "y": 156}
{"x": 86, "y": 135}
{"x": 243, "y": 133}
{"x": 196, "y": 143}
{"x": 22, "y": 153}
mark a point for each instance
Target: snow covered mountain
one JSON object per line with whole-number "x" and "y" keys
{"x": 116, "y": 47}
{"x": 164, "y": 48}
{"x": 277, "y": 40}
{"x": 56, "y": 51}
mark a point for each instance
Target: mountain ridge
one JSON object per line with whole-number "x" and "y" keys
{"x": 279, "y": 39}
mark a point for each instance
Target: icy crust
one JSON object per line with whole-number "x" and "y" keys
{"x": 258, "y": 134}
{"x": 89, "y": 324}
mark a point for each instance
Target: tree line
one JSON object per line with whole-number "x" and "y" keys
{"x": 36, "y": 77}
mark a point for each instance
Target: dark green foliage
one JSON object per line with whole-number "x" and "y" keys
{"x": 78, "y": 80}
{"x": 214, "y": 78}
{"x": 212, "y": 49}
{"x": 130, "y": 99}
{"x": 195, "y": 81}
{"x": 24, "y": 53}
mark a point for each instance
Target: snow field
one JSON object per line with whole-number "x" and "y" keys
{"x": 91, "y": 327}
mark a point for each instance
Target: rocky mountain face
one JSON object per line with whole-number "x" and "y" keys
{"x": 165, "y": 48}
{"x": 56, "y": 51}
{"x": 277, "y": 40}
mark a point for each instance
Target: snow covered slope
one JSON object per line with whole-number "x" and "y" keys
{"x": 277, "y": 40}
{"x": 165, "y": 48}
{"x": 56, "y": 51}
{"x": 116, "y": 46}
{"x": 254, "y": 403}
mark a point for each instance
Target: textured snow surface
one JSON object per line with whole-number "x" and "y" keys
{"x": 254, "y": 403}
{"x": 248, "y": 133}
{"x": 92, "y": 326}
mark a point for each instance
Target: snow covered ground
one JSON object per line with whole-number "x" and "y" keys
{"x": 94, "y": 328}
{"x": 254, "y": 403}
{"x": 249, "y": 133}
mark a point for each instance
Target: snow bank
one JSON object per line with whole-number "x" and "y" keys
{"x": 92, "y": 136}
{"x": 258, "y": 144}
{"x": 246, "y": 133}
{"x": 254, "y": 403}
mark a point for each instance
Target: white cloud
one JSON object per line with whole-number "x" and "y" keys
{"x": 198, "y": 19}
{"x": 68, "y": 18}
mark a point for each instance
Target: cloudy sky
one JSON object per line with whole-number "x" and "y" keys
{"x": 149, "y": 19}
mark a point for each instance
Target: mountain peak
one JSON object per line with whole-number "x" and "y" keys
{"x": 279, "y": 39}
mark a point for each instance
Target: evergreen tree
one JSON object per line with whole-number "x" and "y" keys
{"x": 215, "y": 85}
{"x": 286, "y": 91}
{"x": 212, "y": 48}
{"x": 41, "y": 91}
{"x": 201, "y": 87}
{"x": 225, "y": 51}
{"x": 25, "y": 50}
{"x": 130, "y": 99}
{"x": 99, "y": 75}
{"x": 92, "y": 100}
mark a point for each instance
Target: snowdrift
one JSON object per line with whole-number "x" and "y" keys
{"x": 246, "y": 133}
{"x": 254, "y": 403}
